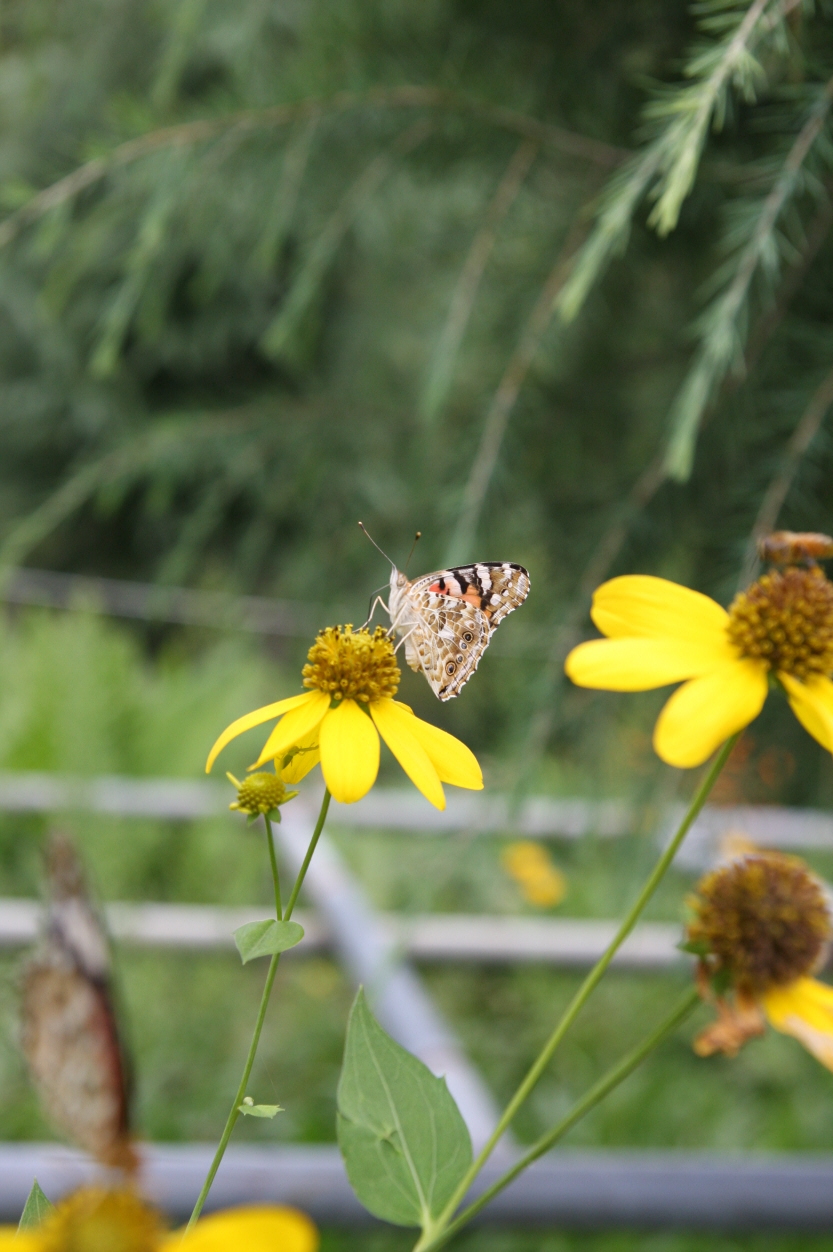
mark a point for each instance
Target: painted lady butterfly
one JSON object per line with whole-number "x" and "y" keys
{"x": 446, "y": 619}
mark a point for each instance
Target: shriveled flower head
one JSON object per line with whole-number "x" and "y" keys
{"x": 780, "y": 628}
{"x": 762, "y": 921}
{"x": 352, "y": 677}
{"x": 760, "y": 926}
{"x": 261, "y": 792}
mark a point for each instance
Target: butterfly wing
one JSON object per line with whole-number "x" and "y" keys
{"x": 449, "y": 617}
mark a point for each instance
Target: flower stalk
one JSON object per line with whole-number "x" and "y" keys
{"x": 234, "y": 1111}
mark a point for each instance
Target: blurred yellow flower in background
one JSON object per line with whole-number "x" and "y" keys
{"x": 660, "y": 633}
{"x": 353, "y": 677}
{"x": 541, "y": 882}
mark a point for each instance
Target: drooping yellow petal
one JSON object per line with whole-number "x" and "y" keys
{"x": 255, "y": 1229}
{"x": 349, "y": 752}
{"x": 812, "y": 703}
{"x": 639, "y": 664}
{"x": 804, "y": 1010}
{"x": 306, "y": 757}
{"x": 638, "y": 604}
{"x": 454, "y": 762}
{"x": 703, "y": 713}
{"x": 396, "y": 726}
{"x": 295, "y": 726}
{"x": 255, "y": 718}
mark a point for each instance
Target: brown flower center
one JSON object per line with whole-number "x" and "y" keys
{"x": 762, "y": 920}
{"x": 353, "y": 665}
{"x": 786, "y": 620}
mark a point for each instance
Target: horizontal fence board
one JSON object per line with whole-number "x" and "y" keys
{"x": 604, "y": 1189}
{"x": 429, "y": 937}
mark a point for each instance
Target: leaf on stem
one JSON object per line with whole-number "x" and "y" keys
{"x": 36, "y": 1208}
{"x": 404, "y": 1142}
{"x": 266, "y": 938}
{"x": 258, "y": 1110}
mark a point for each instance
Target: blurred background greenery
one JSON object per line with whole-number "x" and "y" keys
{"x": 549, "y": 280}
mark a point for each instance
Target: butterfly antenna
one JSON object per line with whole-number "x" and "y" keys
{"x": 363, "y": 528}
{"x": 417, "y": 537}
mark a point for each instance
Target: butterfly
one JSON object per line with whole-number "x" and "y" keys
{"x": 69, "y": 1033}
{"x": 446, "y": 619}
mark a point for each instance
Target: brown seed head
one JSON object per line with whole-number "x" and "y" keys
{"x": 260, "y": 793}
{"x": 763, "y": 921}
{"x": 786, "y": 620}
{"x": 353, "y": 665}
{"x": 95, "y": 1220}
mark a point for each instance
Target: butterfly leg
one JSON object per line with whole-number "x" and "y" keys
{"x": 372, "y": 610}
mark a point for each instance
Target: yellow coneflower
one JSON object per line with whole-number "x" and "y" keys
{"x": 352, "y": 678}
{"x": 660, "y": 633}
{"x": 761, "y": 926}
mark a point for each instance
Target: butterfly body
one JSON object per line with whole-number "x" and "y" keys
{"x": 447, "y": 618}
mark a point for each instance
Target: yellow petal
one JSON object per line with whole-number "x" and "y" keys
{"x": 396, "y": 726}
{"x": 639, "y": 664}
{"x": 294, "y": 726}
{"x": 453, "y": 761}
{"x": 306, "y": 757}
{"x": 637, "y": 604}
{"x": 349, "y": 752}
{"x": 804, "y": 1009}
{"x": 11, "y": 1241}
{"x": 703, "y": 713}
{"x": 255, "y": 1229}
{"x": 812, "y": 703}
{"x": 254, "y": 718}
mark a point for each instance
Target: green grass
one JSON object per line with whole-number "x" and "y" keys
{"x": 77, "y": 694}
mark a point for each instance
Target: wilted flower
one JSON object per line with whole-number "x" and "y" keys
{"x": 761, "y": 926}
{"x": 353, "y": 677}
{"x": 660, "y": 633}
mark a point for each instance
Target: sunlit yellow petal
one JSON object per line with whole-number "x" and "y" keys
{"x": 349, "y": 752}
{"x": 638, "y": 664}
{"x": 295, "y": 726}
{"x": 638, "y": 604}
{"x": 306, "y": 757}
{"x": 11, "y": 1241}
{"x": 396, "y": 726}
{"x": 255, "y": 718}
{"x": 804, "y": 1009}
{"x": 453, "y": 761}
{"x": 703, "y": 713}
{"x": 812, "y": 703}
{"x": 255, "y": 1229}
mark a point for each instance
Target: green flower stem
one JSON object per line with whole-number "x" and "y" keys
{"x": 234, "y": 1112}
{"x": 588, "y": 1101}
{"x": 588, "y": 986}
{"x": 273, "y": 861}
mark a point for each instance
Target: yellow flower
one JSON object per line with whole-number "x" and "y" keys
{"x": 96, "y": 1220}
{"x": 353, "y": 677}
{"x": 541, "y": 882}
{"x": 661, "y": 633}
{"x": 760, "y": 926}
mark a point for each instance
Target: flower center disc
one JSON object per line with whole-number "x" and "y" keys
{"x": 786, "y": 620}
{"x": 353, "y": 665}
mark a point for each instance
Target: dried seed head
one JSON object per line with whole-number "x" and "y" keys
{"x": 762, "y": 921}
{"x": 259, "y": 793}
{"x": 353, "y": 665}
{"x": 95, "y": 1220}
{"x": 786, "y": 620}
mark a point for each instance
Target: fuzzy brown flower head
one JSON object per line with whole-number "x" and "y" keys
{"x": 95, "y": 1220}
{"x": 763, "y": 921}
{"x": 259, "y": 793}
{"x": 353, "y": 665}
{"x": 786, "y": 620}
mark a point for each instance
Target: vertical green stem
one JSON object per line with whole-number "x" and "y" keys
{"x": 590, "y": 983}
{"x": 234, "y": 1112}
{"x": 273, "y": 860}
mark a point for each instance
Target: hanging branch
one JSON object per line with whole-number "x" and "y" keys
{"x": 721, "y": 326}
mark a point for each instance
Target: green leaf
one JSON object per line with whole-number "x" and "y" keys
{"x": 36, "y": 1208}
{"x": 697, "y": 947}
{"x": 266, "y": 938}
{"x": 258, "y": 1110}
{"x": 404, "y": 1142}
